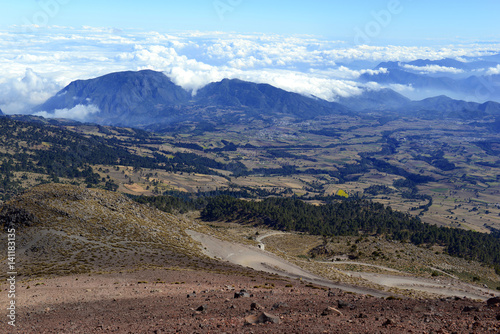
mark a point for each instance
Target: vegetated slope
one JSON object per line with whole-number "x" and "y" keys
{"x": 55, "y": 152}
{"x": 63, "y": 229}
{"x": 355, "y": 217}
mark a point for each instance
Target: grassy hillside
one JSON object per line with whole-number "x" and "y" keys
{"x": 63, "y": 229}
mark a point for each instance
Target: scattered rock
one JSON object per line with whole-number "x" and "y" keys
{"x": 331, "y": 310}
{"x": 262, "y": 318}
{"x": 388, "y": 322}
{"x": 471, "y": 308}
{"x": 343, "y": 304}
{"x": 202, "y": 308}
{"x": 191, "y": 295}
{"x": 255, "y": 307}
{"x": 279, "y": 305}
{"x": 299, "y": 312}
{"x": 242, "y": 294}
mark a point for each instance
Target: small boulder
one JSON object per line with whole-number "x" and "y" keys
{"x": 388, "y": 322}
{"x": 331, "y": 310}
{"x": 242, "y": 294}
{"x": 343, "y": 304}
{"x": 262, "y": 318}
{"x": 279, "y": 305}
{"x": 471, "y": 308}
{"x": 202, "y": 308}
{"x": 255, "y": 307}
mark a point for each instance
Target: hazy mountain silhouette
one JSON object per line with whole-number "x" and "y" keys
{"x": 148, "y": 97}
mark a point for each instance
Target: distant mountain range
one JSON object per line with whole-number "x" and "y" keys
{"x": 434, "y": 107}
{"x": 445, "y": 76}
{"x": 447, "y": 62}
{"x": 149, "y": 99}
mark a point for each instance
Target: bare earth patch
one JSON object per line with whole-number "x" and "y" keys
{"x": 164, "y": 301}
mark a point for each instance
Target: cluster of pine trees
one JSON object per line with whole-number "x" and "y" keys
{"x": 353, "y": 218}
{"x": 60, "y": 153}
{"x": 340, "y": 217}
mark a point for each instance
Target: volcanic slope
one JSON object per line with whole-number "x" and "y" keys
{"x": 63, "y": 229}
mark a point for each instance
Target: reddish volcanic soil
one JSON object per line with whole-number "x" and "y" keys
{"x": 161, "y": 301}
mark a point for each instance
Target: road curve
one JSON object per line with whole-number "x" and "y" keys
{"x": 258, "y": 259}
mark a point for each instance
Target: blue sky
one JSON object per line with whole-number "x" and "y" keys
{"x": 314, "y": 47}
{"x": 424, "y": 21}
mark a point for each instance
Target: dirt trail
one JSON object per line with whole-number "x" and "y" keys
{"x": 442, "y": 286}
{"x": 258, "y": 259}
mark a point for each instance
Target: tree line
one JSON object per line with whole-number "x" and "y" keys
{"x": 354, "y": 218}
{"x": 339, "y": 217}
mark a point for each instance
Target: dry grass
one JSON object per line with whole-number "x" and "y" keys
{"x": 88, "y": 230}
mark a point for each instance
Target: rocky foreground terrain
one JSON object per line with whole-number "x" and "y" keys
{"x": 186, "y": 301}
{"x": 90, "y": 261}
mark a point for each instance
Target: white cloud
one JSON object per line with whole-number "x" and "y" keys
{"x": 434, "y": 69}
{"x": 17, "y": 96}
{"x": 402, "y": 89}
{"x": 344, "y": 72}
{"x": 302, "y": 64}
{"x": 320, "y": 86}
{"x": 410, "y": 53}
{"x": 493, "y": 70}
{"x": 80, "y": 112}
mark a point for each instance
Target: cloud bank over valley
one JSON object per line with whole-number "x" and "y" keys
{"x": 37, "y": 64}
